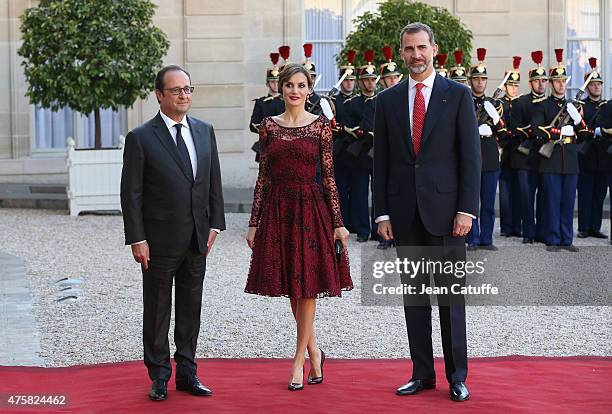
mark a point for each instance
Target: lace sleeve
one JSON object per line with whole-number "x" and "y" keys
{"x": 262, "y": 178}
{"x": 327, "y": 175}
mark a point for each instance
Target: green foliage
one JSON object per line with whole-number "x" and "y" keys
{"x": 89, "y": 55}
{"x": 375, "y": 30}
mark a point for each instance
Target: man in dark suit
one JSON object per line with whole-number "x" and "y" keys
{"x": 426, "y": 190}
{"x": 172, "y": 212}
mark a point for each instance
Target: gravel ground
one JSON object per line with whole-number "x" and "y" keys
{"x": 104, "y": 324}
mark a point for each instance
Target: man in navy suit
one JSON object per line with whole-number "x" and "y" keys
{"x": 426, "y": 190}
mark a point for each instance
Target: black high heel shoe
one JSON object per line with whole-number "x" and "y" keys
{"x": 318, "y": 380}
{"x": 296, "y": 386}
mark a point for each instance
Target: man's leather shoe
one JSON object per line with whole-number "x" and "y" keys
{"x": 459, "y": 392}
{"x": 159, "y": 390}
{"x": 489, "y": 247}
{"x": 471, "y": 247}
{"x": 192, "y": 385}
{"x": 598, "y": 234}
{"x": 582, "y": 234}
{"x": 570, "y": 248}
{"x": 415, "y": 385}
{"x": 552, "y": 248}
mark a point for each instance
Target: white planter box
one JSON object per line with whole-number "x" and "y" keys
{"x": 94, "y": 178}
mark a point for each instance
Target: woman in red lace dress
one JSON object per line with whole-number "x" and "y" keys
{"x": 295, "y": 221}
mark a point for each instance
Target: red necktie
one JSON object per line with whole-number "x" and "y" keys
{"x": 418, "y": 118}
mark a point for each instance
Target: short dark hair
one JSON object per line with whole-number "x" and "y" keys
{"x": 159, "y": 79}
{"x": 415, "y": 28}
{"x": 291, "y": 69}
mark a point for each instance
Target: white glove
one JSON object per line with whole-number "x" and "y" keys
{"x": 567, "y": 131}
{"x": 326, "y": 108}
{"x": 492, "y": 112}
{"x": 485, "y": 131}
{"x": 598, "y": 132}
{"x": 573, "y": 112}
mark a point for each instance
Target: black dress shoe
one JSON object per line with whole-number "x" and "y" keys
{"x": 597, "y": 234}
{"x": 459, "y": 392}
{"x": 582, "y": 234}
{"x": 159, "y": 390}
{"x": 416, "y": 385}
{"x": 489, "y": 247}
{"x": 570, "y": 248}
{"x": 552, "y": 248}
{"x": 318, "y": 380}
{"x": 471, "y": 247}
{"x": 193, "y": 386}
{"x": 362, "y": 239}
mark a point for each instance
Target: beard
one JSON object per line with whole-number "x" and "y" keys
{"x": 419, "y": 68}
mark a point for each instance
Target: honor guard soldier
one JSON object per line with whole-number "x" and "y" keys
{"x": 525, "y": 159}
{"x": 389, "y": 74}
{"x": 556, "y": 124}
{"x": 606, "y": 142}
{"x": 313, "y": 103}
{"x": 343, "y": 162}
{"x": 458, "y": 72}
{"x": 269, "y": 105}
{"x": 439, "y": 62}
{"x": 509, "y": 190}
{"x": 491, "y": 128}
{"x": 592, "y": 155}
{"x": 361, "y": 129}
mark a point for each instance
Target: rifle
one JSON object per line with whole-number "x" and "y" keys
{"x": 561, "y": 118}
{"x": 482, "y": 114}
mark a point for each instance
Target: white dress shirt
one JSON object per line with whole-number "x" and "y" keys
{"x": 426, "y": 91}
{"x": 188, "y": 138}
{"x": 186, "y": 133}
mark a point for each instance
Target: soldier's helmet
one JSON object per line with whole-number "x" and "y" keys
{"x": 272, "y": 72}
{"x": 538, "y": 72}
{"x": 515, "y": 73}
{"x": 389, "y": 68}
{"x": 439, "y": 62}
{"x": 458, "y": 72}
{"x": 348, "y": 67}
{"x": 596, "y": 75}
{"x": 284, "y": 52}
{"x": 479, "y": 70}
{"x": 368, "y": 70}
{"x": 308, "y": 63}
{"x": 558, "y": 71}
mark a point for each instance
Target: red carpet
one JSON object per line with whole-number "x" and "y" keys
{"x": 514, "y": 384}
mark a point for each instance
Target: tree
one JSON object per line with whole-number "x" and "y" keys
{"x": 89, "y": 55}
{"x": 375, "y": 30}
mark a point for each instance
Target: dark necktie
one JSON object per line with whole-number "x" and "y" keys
{"x": 182, "y": 149}
{"x": 418, "y": 118}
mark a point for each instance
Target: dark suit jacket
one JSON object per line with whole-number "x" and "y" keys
{"x": 445, "y": 177}
{"x": 160, "y": 203}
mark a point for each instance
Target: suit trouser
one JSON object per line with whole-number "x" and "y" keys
{"x": 559, "y": 195}
{"x": 452, "y": 317}
{"x": 481, "y": 232}
{"x": 353, "y": 191}
{"x": 592, "y": 188}
{"x": 187, "y": 271}
{"x": 509, "y": 202}
{"x": 528, "y": 184}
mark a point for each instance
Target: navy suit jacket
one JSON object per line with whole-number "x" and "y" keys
{"x": 444, "y": 178}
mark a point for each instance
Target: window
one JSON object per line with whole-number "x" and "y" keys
{"x": 51, "y": 129}
{"x": 326, "y": 24}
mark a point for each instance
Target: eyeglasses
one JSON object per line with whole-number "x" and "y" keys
{"x": 177, "y": 91}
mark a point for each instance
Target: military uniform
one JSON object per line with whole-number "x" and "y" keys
{"x": 509, "y": 190}
{"x": 525, "y": 159}
{"x": 360, "y": 127}
{"x": 606, "y": 142}
{"x": 343, "y": 162}
{"x": 559, "y": 173}
{"x": 269, "y": 105}
{"x": 592, "y": 179}
{"x": 491, "y": 129}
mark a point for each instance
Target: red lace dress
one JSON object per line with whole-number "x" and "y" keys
{"x": 293, "y": 252}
